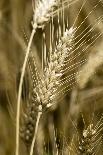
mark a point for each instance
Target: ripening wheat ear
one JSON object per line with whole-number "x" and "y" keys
{"x": 90, "y": 140}
{"x": 49, "y": 84}
{"x": 43, "y": 12}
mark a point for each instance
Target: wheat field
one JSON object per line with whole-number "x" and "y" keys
{"x": 51, "y": 77}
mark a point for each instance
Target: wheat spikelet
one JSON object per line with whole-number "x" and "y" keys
{"x": 90, "y": 140}
{"x": 92, "y": 137}
{"x": 43, "y": 12}
{"x": 49, "y": 84}
{"x": 45, "y": 9}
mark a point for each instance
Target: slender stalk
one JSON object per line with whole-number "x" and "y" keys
{"x": 20, "y": 91}
{"x": 36, "y": 130}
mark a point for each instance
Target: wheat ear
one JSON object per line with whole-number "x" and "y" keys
{"x": 45, "y": 16}
{"x": 50, "y": 81}
{"x": 91, "y": 138}
{"x": 53, "y": 71}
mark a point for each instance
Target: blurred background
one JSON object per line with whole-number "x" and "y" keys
{"x": 83, "y": 103}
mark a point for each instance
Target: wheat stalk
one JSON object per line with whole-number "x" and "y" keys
{"x": 36, "y": 21}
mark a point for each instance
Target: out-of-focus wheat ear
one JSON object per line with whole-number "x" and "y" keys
{"x": 91, "y": 139}
{"x": 31, "y": 109}
{"x": 89, "y": 142}
{"x": 45, "y": 9}
{"x": 42, "y": 13}
{"x": 36, "y": 128}
{"x": 94, "y": 61}
{"x": 28, "y": 122}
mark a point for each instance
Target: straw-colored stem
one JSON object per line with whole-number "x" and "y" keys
{"x": 35, "y": 133}
{"x": 20, "y": 91}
